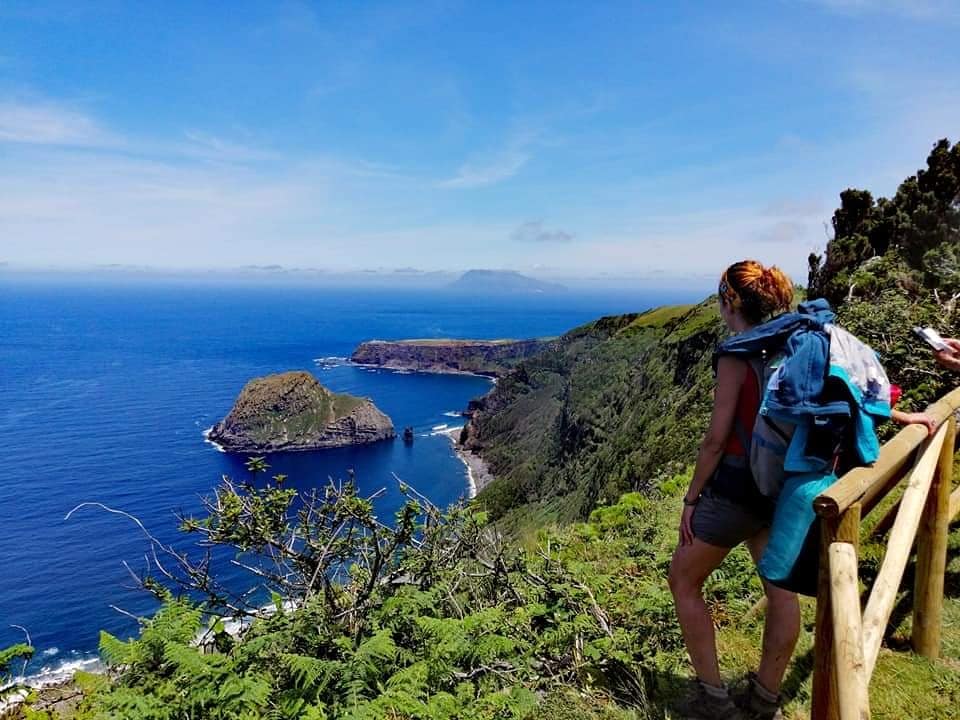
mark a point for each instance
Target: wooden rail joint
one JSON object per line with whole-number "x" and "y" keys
{"x": 865, "y": 484}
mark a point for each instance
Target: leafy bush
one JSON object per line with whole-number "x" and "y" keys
{"x": 455, "y": 625}
{"x": 21, "y": 652}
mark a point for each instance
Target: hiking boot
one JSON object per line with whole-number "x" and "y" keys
{"x": 710, "y": 703}
{"x": 758, "y": 703}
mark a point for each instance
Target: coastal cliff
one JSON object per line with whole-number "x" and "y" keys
{"x": 482, "y": 357}
{"x": 293, "y": 411}
{"x": 606, "y": 409}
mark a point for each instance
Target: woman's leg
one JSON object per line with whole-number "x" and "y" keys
{"x": 781, "y": 627}
{"x": 691, "y": 566}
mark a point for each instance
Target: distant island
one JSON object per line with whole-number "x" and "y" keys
{"x": 481, "y": 357}
{"x": 293, "y": 411}
{"x": 502, "y": 281}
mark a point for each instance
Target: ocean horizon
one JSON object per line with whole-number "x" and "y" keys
{"x": 107, "y": 390}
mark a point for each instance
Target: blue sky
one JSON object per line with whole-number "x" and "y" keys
{"x": 646, "y": 140}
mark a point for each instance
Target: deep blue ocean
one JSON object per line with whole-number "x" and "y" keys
{"x": 105, "y": 392}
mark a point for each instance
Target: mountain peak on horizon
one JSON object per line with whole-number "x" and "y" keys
{"x": 502, "y": 281}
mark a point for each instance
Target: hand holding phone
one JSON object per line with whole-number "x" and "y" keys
{"x": 932, "y": 338}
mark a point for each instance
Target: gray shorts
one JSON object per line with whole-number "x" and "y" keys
{"x": 726, "y": 523}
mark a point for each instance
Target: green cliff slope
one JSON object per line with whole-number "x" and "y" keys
{"x": 609, "y": 407}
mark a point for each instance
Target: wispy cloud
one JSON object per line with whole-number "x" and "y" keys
{"x": 910, "y": 9}
{"x": 204, "y": 145}
{"x": 44, "y": 123}
{"x": 489, "y": 170}
{"x": 783, "y": 232}
{"x": 535, "y": 231}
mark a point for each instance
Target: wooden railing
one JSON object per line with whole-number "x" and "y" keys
{"x": 847, "y": 641}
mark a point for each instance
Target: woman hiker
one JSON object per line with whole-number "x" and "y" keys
{"x": 723, "y": 508}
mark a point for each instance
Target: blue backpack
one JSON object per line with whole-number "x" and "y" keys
{"x": 822, "y": 391}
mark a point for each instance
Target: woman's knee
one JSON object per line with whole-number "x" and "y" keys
{"x": 780, "y": 598}
{"x": 681, "y": 579}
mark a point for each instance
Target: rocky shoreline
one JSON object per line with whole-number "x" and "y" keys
{"x": 58, "y": 699}
{"x": 478, "y": 471}
{"x": 491, "y": 358}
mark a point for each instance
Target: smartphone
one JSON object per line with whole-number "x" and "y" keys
{"x": 931, "y": 337}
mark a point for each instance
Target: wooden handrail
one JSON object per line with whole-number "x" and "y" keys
{"x": 864, "y": 484}
{"x": 877, "y": 613}
{"x": 847, "y": 643}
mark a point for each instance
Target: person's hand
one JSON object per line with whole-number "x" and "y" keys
{"x": 686, "y": 525}
{"x": 918, "y": 419}
{"x": 950, "y": 358}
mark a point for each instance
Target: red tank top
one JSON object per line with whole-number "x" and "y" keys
{"x": 748, "y": 405}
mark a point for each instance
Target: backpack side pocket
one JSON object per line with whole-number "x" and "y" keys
{"x": 768, "y": 451}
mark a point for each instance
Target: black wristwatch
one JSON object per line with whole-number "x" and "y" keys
{"x": 691, "y": 503}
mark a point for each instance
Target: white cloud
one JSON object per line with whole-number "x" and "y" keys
{"x": 488, "y": 171}
{"x": 697, "y": 244}
{"x": 200, "y": 144}
{"x": 782, "y": 232}
{"x": 78, "y": 210}
{"x": 909, "y": 9}
{"x": 535, "y": 231}
{"x": 49, "y": 124}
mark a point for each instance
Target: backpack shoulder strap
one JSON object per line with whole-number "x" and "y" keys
{"x": 756, "y": 366}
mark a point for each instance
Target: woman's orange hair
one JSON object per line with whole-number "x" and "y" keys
{"x": 756, "y": 291}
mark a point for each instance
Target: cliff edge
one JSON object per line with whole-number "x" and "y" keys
{"x": 293, "y": 411}
{"x": 482, "y": 357}
{"x": 606, "y": 409}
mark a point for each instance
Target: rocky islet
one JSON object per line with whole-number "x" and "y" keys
{"x": 292, "y": 411}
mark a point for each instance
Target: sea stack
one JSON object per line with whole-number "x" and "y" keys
{"x": 293, "y": 411}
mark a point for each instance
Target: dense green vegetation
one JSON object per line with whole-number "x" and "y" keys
{"x": 894, "y": 263}
{"x": 614, "y": 405}
{"x": 438, "y": 616}
{"x": 457, "y": 625}
{"x": 9, "y": 657}
{"x": 328, "y": 408}
{"x": 578, "y": 625}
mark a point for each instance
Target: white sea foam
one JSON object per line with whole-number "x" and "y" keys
{"x": 444, "y": 426}
{"x": 234, "y": 626}
{"x": 328, "y": 363}
{"x": 445, "y": 430}
{"x": 50, "y": 652}
{"x": 471, "y": 480}
{"x": 453, "y": 413}
{"x": 206, "y": 439}
{"x": 49, "y": 675}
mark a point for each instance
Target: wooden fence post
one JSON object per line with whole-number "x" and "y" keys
{"x": 932, "y": 553}
{"x": 848, "y": 633}
{"x": 824, "y": 704}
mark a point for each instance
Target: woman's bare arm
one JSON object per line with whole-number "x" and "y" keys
{"x": 904, "y": 418}
{"x": 730, "y": 376}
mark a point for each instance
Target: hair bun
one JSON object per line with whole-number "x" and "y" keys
{"x": 760, "y": 291}
{"x": 776, "y": 288}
